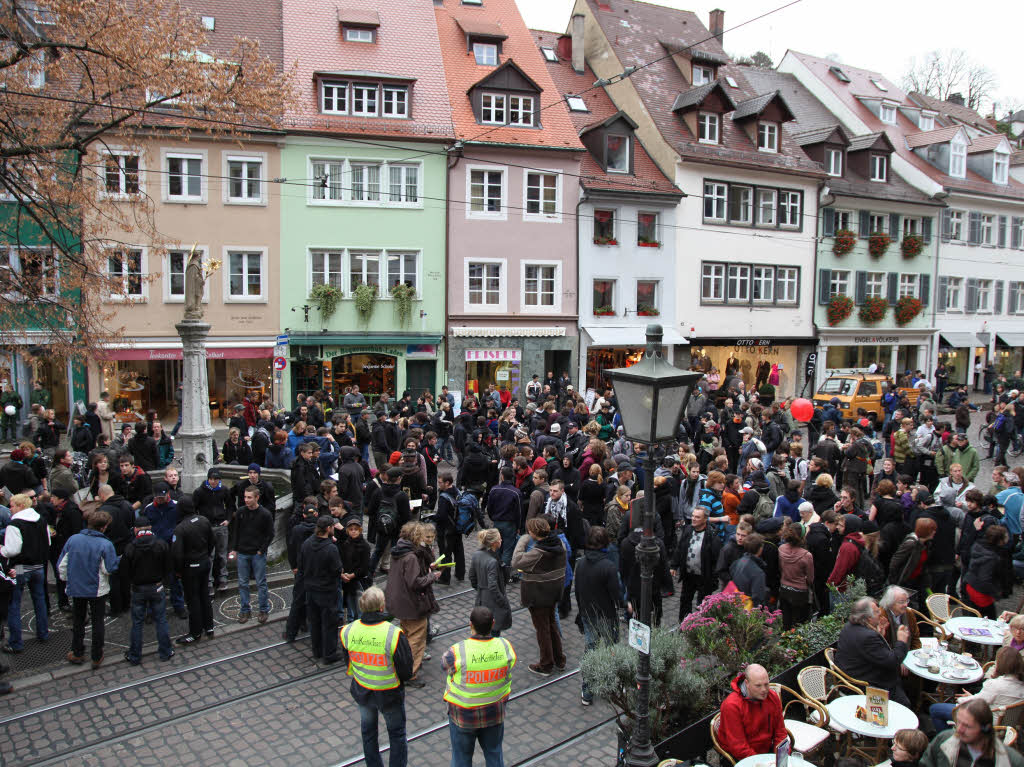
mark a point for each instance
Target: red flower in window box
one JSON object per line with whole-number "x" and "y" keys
{"x": 878, "y": 243}
{"x": 844, "y": 242}
{"x": 605, "y": 241}
{"x": 649, "y": 244}
{"x": 907, "y": 308}
{"x": 839, "y": 308}
{"x": 646, "y": 310}
{"x": 912, "y": 245}
{"x": 604, "y": 311}
{"x": 873, "y": 310}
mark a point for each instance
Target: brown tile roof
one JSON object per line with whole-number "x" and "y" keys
{"x": 260, "y": 20}
{"x": 860, "y": 82}
{"x": 819, "y": 135}
{"x": 949, "y": 112}
{"x": 754, "y": 106}
{"x": 927, "y": 138}
{"x": 406, "y": 46}
{"x": 647, "y": 176}
{"x": 1017, "y": 158}
{"x": 987, "y": 143}
{"x": 633, "y": 29}
{"x": 695, "y": 96}
{"x": 481, "y": 27}
{"x": 462, "y": 72}
{"x": 868, "y": 140}
{"x": 360, "y": 17}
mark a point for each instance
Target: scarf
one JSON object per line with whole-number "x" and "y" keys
{"x": 556, "y": 508}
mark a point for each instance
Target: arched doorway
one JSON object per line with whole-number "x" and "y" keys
{"x": 374, "y": 373}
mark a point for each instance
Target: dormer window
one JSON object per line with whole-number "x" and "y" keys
{"x": 486, "y": 54}
{"x": 887, "y": 113}
{"x": 839, "y": 74}
{"x": 767, "y": 137}
{"x": 878, "y": 84}
{"x": 364, "y": 99}
{"x": 550, "y": 55}
{"x": 1000, "y": 168}
{"x": 359, "y": 35}
{"x": 707, "y": 128}
{"x": 616, "y": 153}
{"x": 702, "y": 75}
{"x": 504, "y": 109}
{"x": 576, "y": 104}
{"x": 926, "y": 122}
{"x": 879, "y": 167}
{"x": 834, "y": 162}
{"x": 958, "y": 157}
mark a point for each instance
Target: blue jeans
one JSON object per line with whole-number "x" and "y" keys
{"x": 254, "y": 565}
{"x": 348, "y": 610}
{"x": 149, "y": 597}
{"x": 394, "y": 719}
{"x": 37, "y": 590}
{"x": 464, "y": 741}
{"x": 509, "y": 537}
{"x": 941, "y": 713}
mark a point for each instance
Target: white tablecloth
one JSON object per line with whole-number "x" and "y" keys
{"x": 974, "y": 674}
{"x": 844, "y": 712}
{"x": 996, "y": 628}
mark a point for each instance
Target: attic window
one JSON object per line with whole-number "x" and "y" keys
{"x": 1000, "y": 168}
{"x": 887, "y": 113}
{"x": 732, "y": 81}
{"x": 702, "y": 75}
{"x": 957, "y": 157}
{"x": 707, "y": 128}
{"x": 472, "y": 2}
{"x": 617, "y": 153}
{"x": 486, "y": 54}
{"x": 209, "y": 22}
{"x": 840, "y": 75}
{"x": 359, "y": 35}
{"x": 550, "y": 55}
{"x": 879, "y": 84}
{"x": 926, "y": 122}
{"x": 576, "y": 104}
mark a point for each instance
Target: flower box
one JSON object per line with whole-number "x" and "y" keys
{"x": 839, "y": 309}
{"x": 651, "y": 313}
{"x": 878, "y": 243}
{"x": 844, "y": 242}
{"x": 650, "y": 244}
{"x": 906, "y": 309}
{"x": 912, "y": 245}
{"x": 605, "y": 241}
{"x": 873, "y": 310}
{"x": 604, "y": 311}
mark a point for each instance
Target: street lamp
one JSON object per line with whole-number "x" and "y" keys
{"x": 652, "y": 396}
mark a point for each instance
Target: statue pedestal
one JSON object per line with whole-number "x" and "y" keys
{"x": 194, "y": 442}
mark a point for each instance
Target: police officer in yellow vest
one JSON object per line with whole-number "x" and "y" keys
{"x": 379, "y": 661}
{"x": 479, "y": 681}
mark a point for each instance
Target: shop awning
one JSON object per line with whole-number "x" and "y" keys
{"x": 358, "y": 339}
{"x": 960, "y": 340}
{"x": 1011, "y": 339}
{"x": 632, "y": 336}
{"x": 214, "y": 351}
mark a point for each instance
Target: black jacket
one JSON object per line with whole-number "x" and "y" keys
{"x": 629, "y": 567}
{"x": 143, "y": 450}
{"x": 981, "y": 576}
{"x": 193, "y": 542}
{"x": 298, "y": 536}
{"x": 351, "y": 478}
{"x": 865, "y": 655}
{"x": 731, "y": 551}
{"x": 402, "y": 509}
{"x": 213, "y": 503}
{"x": 146, "y": 560}
{"x": 82, "y": 439}
{"x": 598, "y": 593}
{"x": 748, "y": 574}
{"x": 267, "y": 498}
{"x": 17, "y": 477}
{"x": 254, "y": 530}
{"x": 819, "y": 543}
{"x": 355, "y": 558}
{"x": 138, "y": 488}
{"x": 122, "y": 522}
{"x": 237, "y": 453}
{"x": 710, "y": 550}
{"x": 943, "y": 551}
{"x": 320, "y": 564}
{"x": 260, "y": 441}
{"x": 305, "y": 479}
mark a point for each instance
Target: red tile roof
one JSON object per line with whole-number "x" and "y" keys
{"x": 860, "y": 82}
{"x": 950, "y": 113}
{"x": 937, "y": 136}
{"x": 634, "y": 30}
{"x": 987, "y": 143}
{"x": 358, "y": 17}
{"x": 462, "y": 73}
{"x": 482, "y": 27}
{"x": 406, "y": 45}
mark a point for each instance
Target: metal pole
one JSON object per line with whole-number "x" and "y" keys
{"x": 641, "y": 752}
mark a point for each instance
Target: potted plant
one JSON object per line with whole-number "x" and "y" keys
{"x": 843, "y": 242}
{"x": 873, "y": 310}
{"x": 839, "y": 308}
{"x": 645, "y": 242}
{"x": 403, "y": 293}
{"x": 604, "y": 311}
{"x": 646, "y": 310}
{"x": 907, "y": 308}
{"x": 605, "y": 241}
{"x": 878, "y": 243}
{"x": 912, "y": 245}
{"x": 366, "y": 297}
{"x": 766, "y": 394}
{"x": 326, "y": 298}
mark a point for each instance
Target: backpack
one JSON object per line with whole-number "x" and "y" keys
{"x": 387, "y": 516}
{"x": 870, "y": 571}
{"x": 467, "y": 508}
{"x": 765, "y": 508}
{"x": 879, "y": 449}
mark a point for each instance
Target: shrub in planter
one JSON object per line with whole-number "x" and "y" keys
{"x": 878, "y": 243}
{"x": 843, "y": 242}
{"x": 912, "y": 245}
{"x": 839, "y": 308}
{"x": 907, "y": 308}
{"x": 767, "y": 392}
{"x": 873, "y": 310}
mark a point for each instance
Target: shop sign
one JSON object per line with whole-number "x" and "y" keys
{"x": 876, "y": 339}
{"x": 343, "y": 351}
{"x": 420, "y": 351}
{"x": 175, "y": 354}
{"x": 748, "y": 342}
{"x": 809, "y": 367}
{"x": 493, "y": 355}
{"x": 501, "y": 375}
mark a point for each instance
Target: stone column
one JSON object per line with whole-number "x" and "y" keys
{"x": 194, "y": 441}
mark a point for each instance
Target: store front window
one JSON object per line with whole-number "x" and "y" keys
{"x": 1007, "y": 360}
{"x": 373, "y": 373}
{"x": 500, "y": 367}
{"x": 603, "y": 359}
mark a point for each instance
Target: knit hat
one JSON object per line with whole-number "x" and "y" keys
{"x": 353, "y": 519}
{"x": 395, "y": 457}
{"x": 255, "y": 467}
{"x": 142, "y": 521}
{"x": 852, "y": 523}
{"x": 213, "y": 474}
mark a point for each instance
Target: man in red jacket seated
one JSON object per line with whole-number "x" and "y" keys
{"x": 751, "y": 721}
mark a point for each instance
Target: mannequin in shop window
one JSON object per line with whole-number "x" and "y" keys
{"x": 764, "y": 368}
{"x": 732, "y": 365}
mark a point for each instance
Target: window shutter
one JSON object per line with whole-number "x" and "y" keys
{"x": 947, "y": 224}
{"x": 861, "y": 288}
{"x": 942, "y": 294}
{"x": 824, "y": 278}
{"x": 971, "y": 296}
{"x": 865, "y": 223}
{"x": 997, "y": 306}
{"x": 828, "y": 222}
{"x": 1014, "y": 232}
{"x": 974, "y": 229}
{"x": 926, "y": 229}
{"x": 894, "y": 287}
{"x": 1002, "y": 231}
{"x": 925, "y": 285}
{"x": 894, "y": 227}
{"x": 1011, "y": 299}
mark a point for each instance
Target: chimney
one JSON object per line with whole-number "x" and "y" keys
{"x": 577, "y": 43}
{"x": 717, "y": 25}
{"x": 955, "y": 98}
{"x": 564, "y": 48}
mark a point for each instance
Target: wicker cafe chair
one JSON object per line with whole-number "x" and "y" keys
{"x": 804, "y": 736}
{"x": 1010, "y": 716}
{"x": 943, "y": 607}
{"x": 1008, "y": 734}
{"x": 830, "y": 656}
{"x": 821, "y": 685}
{"x": 939, "y": 634}
{"x": 715, "y": 721}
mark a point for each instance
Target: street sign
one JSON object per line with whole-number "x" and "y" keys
{"x": 282, "y": 340}
{"x": 280, "y": 363}
{"x": 812, "y": 363}
{"x": 640, "y": 636}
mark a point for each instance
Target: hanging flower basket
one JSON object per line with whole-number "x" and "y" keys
{"x": 873, "y": 310}
{"x": 878, "y": 243}
{"x": 906, "y": 309}
{"x": 403, "y": 295}
{"x": 912, "y": 245}
{"x": 326, "y": 298}
{"x": 839, "y": 308}
{"x": 844, "y": 242}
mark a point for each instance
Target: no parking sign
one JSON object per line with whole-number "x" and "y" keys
{"x": 280, "y": 363}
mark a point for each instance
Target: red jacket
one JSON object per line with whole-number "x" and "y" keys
{"x": 749, "y": 727}
{"x": 846, "y": 559}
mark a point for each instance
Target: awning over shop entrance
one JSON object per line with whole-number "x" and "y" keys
{"x": 1011, "y": 339}
{"x": 960, "y": 340}
{"x": 633, "y": 336}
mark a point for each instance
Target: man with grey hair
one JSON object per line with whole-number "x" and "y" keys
{"x": 864, "y": 654}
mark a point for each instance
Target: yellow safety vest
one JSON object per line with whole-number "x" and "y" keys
{"x": 371, "y": 648}
{"x": 482, "y": 672}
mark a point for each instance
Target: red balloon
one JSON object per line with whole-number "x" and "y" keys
{"x": 802, "y": 409}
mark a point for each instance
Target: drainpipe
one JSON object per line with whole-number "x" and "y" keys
{"x": 581, "y": 369}
{"x": 825, "y": 199}
{"x": 455, "y": 153}
{"x": 933, "y": 345}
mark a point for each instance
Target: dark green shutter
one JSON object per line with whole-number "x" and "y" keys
{"x": 997, "y": 306}
{"x": 824, "y": 279}
{"x": 1011, "y": 299}
{"x": 1002, "y": 231}
{"x": 894, "y": 226}
{"x": 1015, "y": 232}
{"x": 865, "y": 223}
{"x": 926, "y": 229}
{"x": 941, "y": 295}
{"x": 828, "y": 222}
{"x": 974, "y": 228}
{"x": 947, "y": 224}
{"x": 894, "y": 287}
{"x": 926, "y": 288}
{"x": 971, "y": 296}
{"x": 860, "y": 288}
